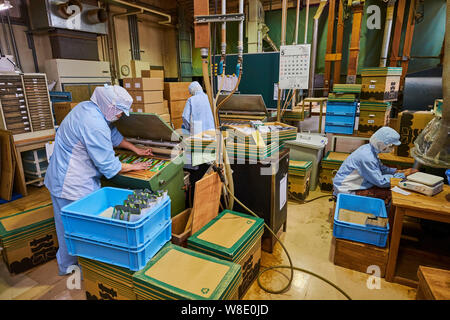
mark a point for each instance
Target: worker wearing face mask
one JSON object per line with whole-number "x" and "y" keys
{"x": 83, "y": 152}
{"x": 362, "y": 173}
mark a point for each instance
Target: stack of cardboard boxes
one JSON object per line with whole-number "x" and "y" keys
{"x": 177, "y": 94}
{"x": 148, "y": 96}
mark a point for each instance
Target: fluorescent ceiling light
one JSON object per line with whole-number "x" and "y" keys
{"x": 5, "y": 5}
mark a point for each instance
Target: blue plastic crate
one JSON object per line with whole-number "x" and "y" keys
{"x": 81, "y": 219}
{"x": 122, "y": 256}
{"x": 339, "y": 120}
{"x": 447, "y": 172}
{"x": 341, "y": 108}
{"x": 60, "y": 96}
{"x": 339, "y": 128}
{"x": 356, "y": 232}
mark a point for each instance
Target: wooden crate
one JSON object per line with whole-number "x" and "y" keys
{"x": 380, "y": 84}
{"x": 359, "y": 256}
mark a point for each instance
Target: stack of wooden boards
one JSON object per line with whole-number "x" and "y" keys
{"x": 28, "y": 238}
{"x": 148, "y": 96}
{"x": 299, "y": 175}
{"x": 25, "y": 105}
{"x": 177, "y": 94}
{"x": 329, "y": 167}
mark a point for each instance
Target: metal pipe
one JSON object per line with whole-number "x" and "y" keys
{"x": 283, "y": 22}
{"x": 297, "y": 14}
{"x": 144, "y": 8}
{"x": 307, "y": 19}
{"x": 13, "y": 41}
{"x": 314, "y": 47}
{"x": 5, "y": 36}
{"x": 224, "y": 30}
{"x": 387, "y": 33}
{"x": 241, "y": 32}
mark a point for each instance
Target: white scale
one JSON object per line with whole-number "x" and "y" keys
{"x": 424, "y": 183}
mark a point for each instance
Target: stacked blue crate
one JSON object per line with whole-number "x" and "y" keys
{"x": 91, "y": 234}
{"x": 340, "y": 117}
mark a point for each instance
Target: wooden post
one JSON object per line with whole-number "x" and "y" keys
{"x": 408, "y": 42}
{"x": 329, "y": 49}
{"x": 397, "y": 34}
{"x": 339, "y": 42}
{"x": 354, "y": 43}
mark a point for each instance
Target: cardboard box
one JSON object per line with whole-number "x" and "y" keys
{"x": 179, "y": 232}
{"x": 380, "y": 83}
{"x": 104, "y": 281}
{"x": 176, "y": 122}
{"x": 176, "y": 108}
{"x": 137, "y": 66}
{"x": 152, "y": 73}
{"x": 165, "y": 117}
{"x": 359, "y": 256}
{"x": 128, "y": 83}
{"x": 147, "y": 96}
{"x": 62, "y": 109}
{"x": 411, "y": 125}
{"x": 148, "y": 84}
{"x": 157, "y": 108}
{"x": 28, "y": 238}
{"x": 176, "y": 90}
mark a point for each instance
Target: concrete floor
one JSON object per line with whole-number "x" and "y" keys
{"x": 308, "y": 240}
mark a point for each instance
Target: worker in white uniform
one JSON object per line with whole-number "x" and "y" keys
{"x": 362, "y": 173}
{"x": 197, "y": 117}
{"x": 84, "y": 151}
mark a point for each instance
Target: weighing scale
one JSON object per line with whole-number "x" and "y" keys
{"x": 423, "y": 183}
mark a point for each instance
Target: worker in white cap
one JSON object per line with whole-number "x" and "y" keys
{"x": 362, "y": 173}
{"x": 84, "y": 151}
{"x": 197, "y": 117}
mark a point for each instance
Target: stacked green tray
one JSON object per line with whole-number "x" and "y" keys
{"x": 281, "y": 135}
{"x": 346, "y": 88}
{"x": 299, "y": 168}
{"x": 374, "y": 106}
{"x": 344, "y": 97}
{"x": 117, "y": 278}
{"x": 249, "y": 151}
{"x": 229, "y": 236}
{"x": 177, "y": 273}
{"x": 381, "y": 71}
{"x": 333, "y": 160}
{"x": 294, "y": 115}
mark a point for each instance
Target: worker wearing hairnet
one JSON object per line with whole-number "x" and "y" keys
{"x": 197, "y": 117}
{"x": 83, "y": 152}
{"x": 362, "y": 173}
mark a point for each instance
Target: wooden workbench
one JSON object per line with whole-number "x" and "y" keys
{"x": 436, "y": 208}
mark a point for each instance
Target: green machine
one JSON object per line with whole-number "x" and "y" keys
{"x": 166, "y": 172}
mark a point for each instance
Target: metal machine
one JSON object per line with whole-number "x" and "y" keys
{"x": 166, "y": 172}
{"x": 77, "y": 76}
{"x": 242, "y": 108}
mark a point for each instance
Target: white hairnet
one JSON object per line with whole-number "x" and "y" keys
{"x": 384, "y": 139}
{"x": 195, "y": 87}
{"x": 112, "y": 100}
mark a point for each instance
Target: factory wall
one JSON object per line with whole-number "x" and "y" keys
{"x": 158, "y": 43}
{"x": 427, "y": 40}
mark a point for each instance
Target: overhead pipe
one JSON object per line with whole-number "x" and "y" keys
{"x": 145, "y": 9}
{"x": 387, "y": 32}
{"x": 13, "y": 41}
{"x": 297, "y": 14}
{"x": 282, "y": 43}
{"x": 314, "y": 46}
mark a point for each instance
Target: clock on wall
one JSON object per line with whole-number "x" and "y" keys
{"x": 125, "y": 70}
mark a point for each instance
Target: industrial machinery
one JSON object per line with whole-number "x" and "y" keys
{"x": 242, "y": 108}
{"x": 166, "y": 172}
{"x": 78, "y": 76}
